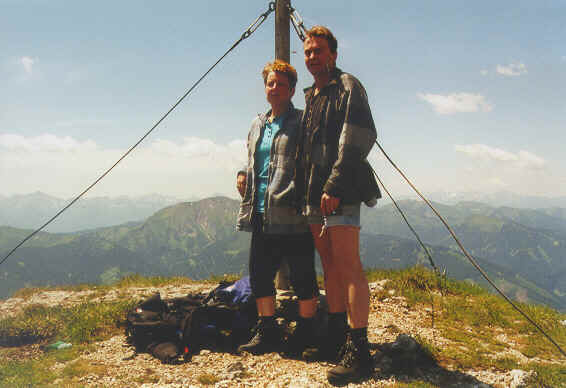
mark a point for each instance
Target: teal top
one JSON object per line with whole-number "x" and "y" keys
{"x": 262, "y": 158}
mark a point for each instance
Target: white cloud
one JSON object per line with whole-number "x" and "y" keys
{"x": 43, "y": 143}
{"x": 512, "y": 70}
{"x": 64, "y": 166}
{"x": 27, "y": 63}
{"x": 521, "y": 159}
{"x": 491, "y": 169}
{"x": 456, "y": 103}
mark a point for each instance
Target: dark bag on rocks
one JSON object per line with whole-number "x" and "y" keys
{"x": 172, "y": 330}
{"x": 163, "y": 328}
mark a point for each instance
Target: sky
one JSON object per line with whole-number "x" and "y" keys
{"x": 466, "y": 96}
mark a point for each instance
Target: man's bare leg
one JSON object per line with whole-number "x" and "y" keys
{"x": 345, "y": 251}
{"x": 329, "y": 348}
{"x": 357, "y": 362}
{"x": 335, "y": 295}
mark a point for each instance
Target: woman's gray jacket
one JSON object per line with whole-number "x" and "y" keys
{"x": 282, "y": 208}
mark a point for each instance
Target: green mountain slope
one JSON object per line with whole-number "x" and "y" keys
{"x": 387, "y": 252}
{"x": 530, "y": 243}
{"x": 188, "y": 239}
{"x": 198, "y": 239}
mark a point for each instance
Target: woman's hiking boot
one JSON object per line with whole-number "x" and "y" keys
{"x": 331, "y": 345}
{"x": 356, "y": 363}
{"x": 267, "y": 338}
{"x": 301, "y": 338}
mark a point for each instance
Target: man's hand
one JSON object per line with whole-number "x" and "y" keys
{"x": 241, "y": 184}
{"x": 328, "y": 204}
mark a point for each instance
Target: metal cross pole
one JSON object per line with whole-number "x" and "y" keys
{"x": 282, "y": 51}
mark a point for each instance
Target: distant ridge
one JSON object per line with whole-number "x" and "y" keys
{"x": 523, "y": 250}
{"x": 32, "y": 210}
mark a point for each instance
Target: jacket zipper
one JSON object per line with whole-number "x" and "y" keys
{"x": 269, "y": 167}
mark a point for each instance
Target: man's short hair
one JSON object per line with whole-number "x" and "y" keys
{"x": 323, "y": 32}
{"x": 282, "y": 67}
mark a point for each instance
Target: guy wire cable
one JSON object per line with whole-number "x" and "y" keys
{"x": 250, "y": 30}
{"x": 435, "y": 269}
{"x": 468, "y": 256}
{"x": 406, "y": 221}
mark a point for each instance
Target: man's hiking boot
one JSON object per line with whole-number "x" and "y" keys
{"x": 300, "y": 339}
{"x": 267, "y": 339}
{"x": 356, "y": 364}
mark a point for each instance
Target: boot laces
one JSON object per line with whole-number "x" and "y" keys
{"x": 258, "y": 333}
{"x": 348, "y": 354}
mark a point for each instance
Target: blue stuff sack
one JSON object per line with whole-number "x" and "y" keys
{"x": 235, "y": 294}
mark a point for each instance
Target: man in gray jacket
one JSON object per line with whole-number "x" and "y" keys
{"x": 271, "y": 211}
{"x": 338, "y": 135}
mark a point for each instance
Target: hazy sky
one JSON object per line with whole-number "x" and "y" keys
{"x": 467, "y": 96}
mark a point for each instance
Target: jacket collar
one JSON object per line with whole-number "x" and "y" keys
{"x": 263, "y": 116}
{"x": 334, "y": 77}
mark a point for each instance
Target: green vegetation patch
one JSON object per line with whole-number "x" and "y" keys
{"x": 547, "y": 375}
{"x": 80, "y": 325}
{"x": 83, "y": 323}
{"x": 477, "y": 322}
{"x": 81, "y": 368}
{"x": 138, "y": 280}
{"x": 33, "y": 373}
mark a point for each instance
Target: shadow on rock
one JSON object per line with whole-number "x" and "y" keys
{"x": 406, "y": 360}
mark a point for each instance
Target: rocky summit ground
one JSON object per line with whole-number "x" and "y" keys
{"x": 115, "y": 364}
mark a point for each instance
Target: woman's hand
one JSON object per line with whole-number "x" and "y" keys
{"x": 241, "y": 184}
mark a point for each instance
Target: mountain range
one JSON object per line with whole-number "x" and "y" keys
{"x": 34, "y": 209}
{"x": 523, "y": 250}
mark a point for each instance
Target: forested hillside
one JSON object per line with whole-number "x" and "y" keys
{"x": 523, "y": 250}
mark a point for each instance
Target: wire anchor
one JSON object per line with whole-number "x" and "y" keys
{"x": 297, "y": 21}
{"x": 260, "y": 19}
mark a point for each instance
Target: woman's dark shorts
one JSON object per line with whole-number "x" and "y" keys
{"x": 266, "y": 253}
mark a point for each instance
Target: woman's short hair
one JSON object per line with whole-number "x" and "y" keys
{"x": 281, "y": 67}
{"x": 323, "y": 32}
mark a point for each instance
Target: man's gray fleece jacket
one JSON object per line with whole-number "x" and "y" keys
{"x": 282, "y": 208}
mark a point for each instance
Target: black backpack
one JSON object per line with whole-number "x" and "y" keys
{"x": 172, "y": 330}
{"x": 166, "y": 328}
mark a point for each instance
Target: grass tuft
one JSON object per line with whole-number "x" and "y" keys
{"x": 32, "y": 373}
{"x": 137, "y": 280}
{"x": 81, "y": 368}
{"x": 83, "y": 323}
